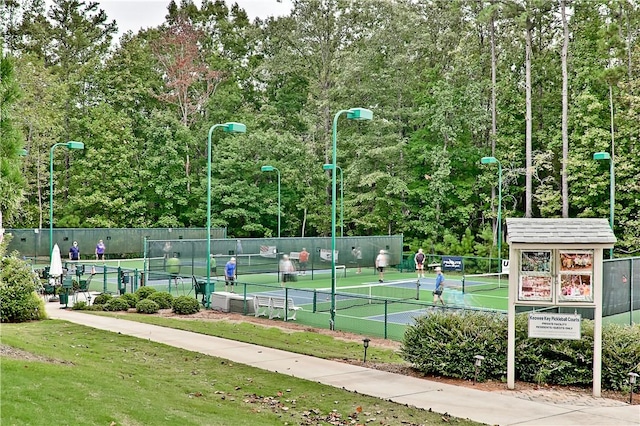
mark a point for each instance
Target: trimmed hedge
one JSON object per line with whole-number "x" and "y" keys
{"x": 102, "y": 298}
{"x": 147, "y": 306}
{"x": 445, "y": 344}
{"x": 131, "y": 298}
{"x": 162, "y": 298}
{"x": 116, "y": 304}
{"x": 185, "y": 305}
{"x": 144, "y": 292}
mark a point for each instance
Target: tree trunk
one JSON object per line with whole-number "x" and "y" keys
{"x": 528, "y": 131}
{"x": 494, "y": 123}
{"x": 565, "y": 112}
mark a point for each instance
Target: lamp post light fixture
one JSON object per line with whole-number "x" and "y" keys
{"x": 491, "y": 160}
{"x": 69, "y": 145}
{"x": 230, "y": 127}
{"x": 352, "y": 114}
{"x": 270, "y": 169}
{"x": 612, "y": 188}
{"x": 365, "y": 343}
{"x": 330, "y": 167}
{"x": 478, "y": 363}
{"x": 632, "y": 381}
{"x": 23, "y": 152}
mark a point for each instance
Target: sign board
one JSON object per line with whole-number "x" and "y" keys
{"x": 544, "y": 325}
{"x": 452, "y": 263}
{"x": 505, "y": 266}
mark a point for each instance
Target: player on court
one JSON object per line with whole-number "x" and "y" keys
{"x": 419, "y": 261}
{"x": 437, "y": 292}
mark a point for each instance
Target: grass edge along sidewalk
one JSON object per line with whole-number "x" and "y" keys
{"x": 66, "y": 372}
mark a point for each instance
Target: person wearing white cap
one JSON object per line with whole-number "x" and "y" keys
{"x": 381, "y": 262}
{"x": 437, "y": 292}
{"x": 230, "y": 274}
{"x": 419, "y": 261}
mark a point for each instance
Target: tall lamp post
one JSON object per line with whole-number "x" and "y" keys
{"x": 352, "y": 114}
{"x": 491, "y": 160}
{"x": 612, "y": 188}
{"x": 229, "y": 127}
{"x": 70, "y": 145}
{"x": 330, "y": 167}
{"x": 270, "y": 169}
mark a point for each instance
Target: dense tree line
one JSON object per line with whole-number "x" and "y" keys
{"x": 539, "y": 84}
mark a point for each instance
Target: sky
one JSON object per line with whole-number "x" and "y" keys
{"x": 136, "y": 14}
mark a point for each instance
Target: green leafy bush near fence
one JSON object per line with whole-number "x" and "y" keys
{"x": 445, "y": 344}
{"x": 144, "y": 292}
{"x": 102, "y": 298}
{"x": 116, "y": 304}
{"x": 162, "y": 298}
{"x": 185, "y": 305}
{"x": 131, "y": 298}
{"x": 147, "y": 306}
{"x": 19, "y": 301}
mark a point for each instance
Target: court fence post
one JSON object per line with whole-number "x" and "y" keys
{"x": 386, "y": 317}
{"x": 286, "y": 303}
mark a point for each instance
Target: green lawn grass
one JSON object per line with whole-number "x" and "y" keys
{"x": 93, "y": 377}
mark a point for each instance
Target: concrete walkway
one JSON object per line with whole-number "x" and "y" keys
{"x": 494, "y": 408}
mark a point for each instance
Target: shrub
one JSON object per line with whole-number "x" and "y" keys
{"x": 80, "y": 306}
{"x": 185, "y": 305}
{"x": 147, "y": 306}
{"x": 102, "y": 299}
{"x": 144, "y": 292}
{"x": 19, "y": 301}
{"x": 116, "y": 304}
{"x": 445, "y": 344}
{"x": 163, "y": 299}
{"x": 131, "y": 298}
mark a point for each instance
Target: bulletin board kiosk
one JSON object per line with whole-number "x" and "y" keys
{"x": 557, "y": 263}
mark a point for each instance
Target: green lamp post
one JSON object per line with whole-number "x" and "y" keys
{"x": 69, "y": 145}
{"x": 330, "y": 167}
{"x": 612, "y": 188}
{"x": 230, "y": 127}
{"x": 352, "y": 114}
{"x": 491, "y": 160}
{"x": 270, "y": 169}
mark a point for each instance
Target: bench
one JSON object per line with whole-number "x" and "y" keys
{"x": 274, "y": 306}
{"x": 286, "y": 306}
{"x": 262, "y": 305}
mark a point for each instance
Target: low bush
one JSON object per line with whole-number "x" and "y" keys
{"x": 131, "y": 298}
{"x": 185, "y": 305}
{"x": 116, "y": 304}
{"x": 445, "y": 344}
{"x": 80, "y": 306}
{"x": 162, "y": 298}
{"x": 147, "y": 306}
{"x": 19, "y": 301}
{"x": 144, "y": 292}
{"x": 102, "y": 299}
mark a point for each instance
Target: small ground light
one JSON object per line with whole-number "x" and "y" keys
{"x": 365, "y": 343}
{"x": 632, "y": 381}
{"x": 478, "y": 363}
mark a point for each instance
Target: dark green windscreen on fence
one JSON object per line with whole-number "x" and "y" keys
{"x": 119, "y": 242}
{"x": 262, "y": 255}
{"x": 621, "y": 286}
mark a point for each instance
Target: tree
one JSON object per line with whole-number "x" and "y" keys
{"x": 11, "y": 180}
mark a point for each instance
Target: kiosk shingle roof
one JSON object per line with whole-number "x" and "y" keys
{"x": 559, "y": 231}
